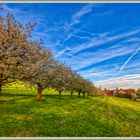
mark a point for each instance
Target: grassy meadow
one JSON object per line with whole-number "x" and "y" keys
{"x": 22, "y": 116}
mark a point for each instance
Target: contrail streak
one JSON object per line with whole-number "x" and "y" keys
{"x": 126, "y": 62}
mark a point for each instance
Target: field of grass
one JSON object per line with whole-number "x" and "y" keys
{"x": 21, "y": 115}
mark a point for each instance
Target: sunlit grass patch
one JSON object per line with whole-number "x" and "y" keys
{"x": 22, "y": 115}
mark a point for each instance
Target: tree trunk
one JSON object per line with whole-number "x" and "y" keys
{"x": 0, "y": 89}
{"x": 71, "y": 93}
{"x": 60, "y": 94}
{"x": 39, "y": 92}
{"x": 83, "y": 94}
{"x": 78, "y": 94}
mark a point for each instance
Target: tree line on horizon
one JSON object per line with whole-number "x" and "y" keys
{"x": 29, "y": 61}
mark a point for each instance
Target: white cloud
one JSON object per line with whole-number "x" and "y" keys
{"x": 102, "y": 39}
{"x": 86, "y": 59}
{"x": 99, "y": 73}
{"x": 83, "y": 31}
{"x": 135, "y": 39}
{"x": 81, "y": 37}
{"x": 127, "y": 81}
{"x": 98, "y": 40}
{"x": 20, "y": 14}
{"x": 105, "y": 54}
{"x": 126, "y": 62}
{"x": 8, "y": 9}
{"x": 76, "y": 17}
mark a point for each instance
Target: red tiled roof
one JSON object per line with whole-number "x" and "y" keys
{"x": 119, "y": 90}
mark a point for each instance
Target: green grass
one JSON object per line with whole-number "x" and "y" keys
{"x": 21, "y": 115}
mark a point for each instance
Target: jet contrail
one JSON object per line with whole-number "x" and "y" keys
{"x": 126, "y": 62}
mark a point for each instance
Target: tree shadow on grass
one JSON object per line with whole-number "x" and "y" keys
{"x": 12, "y": 101}
{"x": 9, "y": 94}
{"x": 56, "y": 125}
{"x": 54, "y": 117}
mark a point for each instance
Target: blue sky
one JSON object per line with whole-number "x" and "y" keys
{"x": 98, "y": 40}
